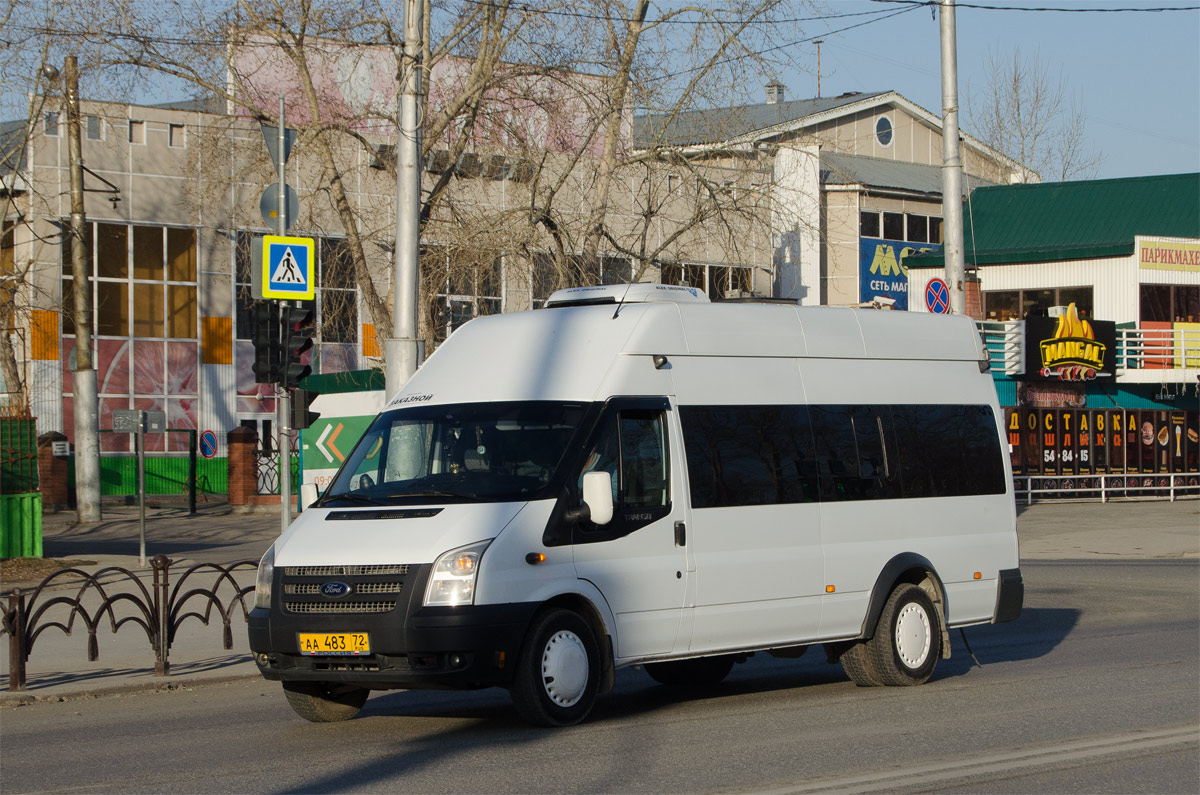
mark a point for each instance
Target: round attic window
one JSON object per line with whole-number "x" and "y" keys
{"x": 883, "y": 131}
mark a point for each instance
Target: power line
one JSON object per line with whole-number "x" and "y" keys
{"x": 1137, "y": 10}
{"x": 525, "y": 8}
{"x": 791, "y": 44}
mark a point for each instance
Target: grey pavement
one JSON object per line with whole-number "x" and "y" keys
{"x": 58, "y": 668}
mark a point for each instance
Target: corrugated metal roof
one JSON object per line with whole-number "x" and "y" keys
{"x": 1054, "y": 221}
{"x": 875, "y": 172}
{"x": 724, "y": 124}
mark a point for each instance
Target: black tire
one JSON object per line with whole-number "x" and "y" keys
{"x": 856, "y": 662}
{"x": 558, "y": 675}
{"x": 908, "y": 638}
{"x": 325, "y": 702}
{"x": 700, "y": 672}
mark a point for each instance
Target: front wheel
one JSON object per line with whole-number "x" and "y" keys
{"x": 559, "y": 671}
{"x": 325, "y": 702}
{"x": 908, "y": 638}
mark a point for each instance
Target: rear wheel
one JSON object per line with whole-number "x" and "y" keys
{"x": 700, "y": 672}
{"x": 908, "y": 638}
{"x": 325, "y": 702}
{"x": 857, "y": 665}
{"x": 559, "y": 671}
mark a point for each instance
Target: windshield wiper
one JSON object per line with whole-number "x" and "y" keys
{"x": 433, "y": 493}
{"x": 348, "y": 496}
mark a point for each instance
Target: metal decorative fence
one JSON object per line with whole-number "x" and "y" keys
{"x": 1105, "y": 487}
{"x": 159, "y": 610}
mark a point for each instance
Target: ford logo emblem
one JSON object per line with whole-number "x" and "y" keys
{"x": 335, "y": 589}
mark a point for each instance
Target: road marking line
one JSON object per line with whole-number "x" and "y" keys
{"x": 1007, "y": 762}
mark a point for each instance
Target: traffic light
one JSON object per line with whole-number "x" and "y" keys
{"x": 266, "y": 342}
{"x": 301, "y": 416}
{"x": 297, "y": 328}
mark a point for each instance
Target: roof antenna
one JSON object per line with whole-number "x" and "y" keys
{"x": 622, "y": 301}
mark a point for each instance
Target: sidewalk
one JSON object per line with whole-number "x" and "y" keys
{"x": 58, "y": 667}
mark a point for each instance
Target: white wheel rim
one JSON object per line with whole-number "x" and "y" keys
{"x": 913, "y": 635}
{"x": 565, "y": 668}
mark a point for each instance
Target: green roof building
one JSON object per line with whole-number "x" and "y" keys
{"x": 1125, "y": 253}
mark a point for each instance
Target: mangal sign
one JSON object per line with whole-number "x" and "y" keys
{"x": 1066, "y": 348}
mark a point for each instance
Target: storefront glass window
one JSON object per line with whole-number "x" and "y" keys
{"x": 1002, "y": 305}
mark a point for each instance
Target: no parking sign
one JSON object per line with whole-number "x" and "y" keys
{"x": 937, "y": 297}
{"x": 208, "y": 444}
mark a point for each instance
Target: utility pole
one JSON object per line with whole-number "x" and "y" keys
{"x": 819, "y": 42}
{"x": 83, "y": 374}
{"x": 956, "y": 272}
{"x": 283, "y": 403}
{"x": 403, "y": 349}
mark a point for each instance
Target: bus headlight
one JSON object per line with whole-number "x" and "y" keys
{"x": 262, "y": 582}
{"x": 452, "y": 581}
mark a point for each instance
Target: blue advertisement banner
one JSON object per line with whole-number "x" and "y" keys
{"x": 881, "y": 269}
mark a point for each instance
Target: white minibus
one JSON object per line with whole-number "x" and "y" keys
{"x": 634, "y": 475}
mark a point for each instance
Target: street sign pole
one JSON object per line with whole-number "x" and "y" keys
{"x": 283, "y": 404}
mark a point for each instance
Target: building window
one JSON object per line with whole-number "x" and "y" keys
{"x": 469, "y": 286}
{"x": 718, "y": 281}
{"x": 144, "y": 294}
{"x": 883, "y": 131}
{"x": 51, "y": 123}
{"x": 916, "y": 228}
{"x": 674, "y": 181}
{"x": 893, "y": 226}
{"x": 95, "y": 128}
{"x": 176, "y": 136}
{"x": 1005, "y": 305}
{"x": 137, "y": 132}
{"x": 868, "y": 223}
{"x": 935, "y": 230}
{"x": 1167, "y": 303}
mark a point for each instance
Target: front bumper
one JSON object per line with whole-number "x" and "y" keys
{"x": 412, "y": 646}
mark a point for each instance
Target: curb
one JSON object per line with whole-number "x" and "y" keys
{"x": 10, "y": 699}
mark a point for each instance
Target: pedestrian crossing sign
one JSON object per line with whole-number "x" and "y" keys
{"x": 288, "y": 267}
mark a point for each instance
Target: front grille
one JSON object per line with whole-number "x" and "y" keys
{"x": 344, "y": 571}
{"x": 339, "y": 607}
{"x": 312, "y": 588}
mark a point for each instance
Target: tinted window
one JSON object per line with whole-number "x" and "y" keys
{"x": 855, "y": 452}
{"x": 948, "y": 451}
{"x": 748, "y": 455}
{"x": 631, "y": 446}
{"x": 764, "y": 455}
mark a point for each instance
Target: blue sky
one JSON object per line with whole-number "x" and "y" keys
{"x": 1137, "y": 74}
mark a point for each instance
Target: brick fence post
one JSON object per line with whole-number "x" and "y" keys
{"x": 974, "y": 297}
{"x": 243, "y": 465}
{"x": 52, "y": 473}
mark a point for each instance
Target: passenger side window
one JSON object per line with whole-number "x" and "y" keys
{"x": 643, "y": 460}
{"x": 632, "y": 448}
{"x": 856, "y": 453}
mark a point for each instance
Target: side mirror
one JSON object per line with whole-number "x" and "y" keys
{"x": 597, "y": 496}
{"x": 309, "y": 493}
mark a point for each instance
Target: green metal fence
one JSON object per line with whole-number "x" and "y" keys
{"x": 18, "y": 455}
{"x": 20, "y": 501}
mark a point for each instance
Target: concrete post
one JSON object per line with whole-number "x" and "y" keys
{"x": 83, "y": 376}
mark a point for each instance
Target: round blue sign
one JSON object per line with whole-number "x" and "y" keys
{"x": 208, "y": 444}
{"x": 937, "y": 297}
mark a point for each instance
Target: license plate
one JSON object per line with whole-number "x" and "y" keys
{"x": 351, "y": 643}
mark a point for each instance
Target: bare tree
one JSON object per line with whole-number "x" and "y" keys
{"x": 1029, "y": 115}
{"x": 583, "y": 66}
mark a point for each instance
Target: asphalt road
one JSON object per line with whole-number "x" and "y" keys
{"x": 1095, "y": 689}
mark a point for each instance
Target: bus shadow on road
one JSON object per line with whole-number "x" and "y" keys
{"x": 1035, "y": 634}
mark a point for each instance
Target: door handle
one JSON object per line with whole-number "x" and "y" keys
{"x": 680, "y": 535}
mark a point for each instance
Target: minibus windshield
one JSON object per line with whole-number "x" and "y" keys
{"x": 465, "y": 452}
